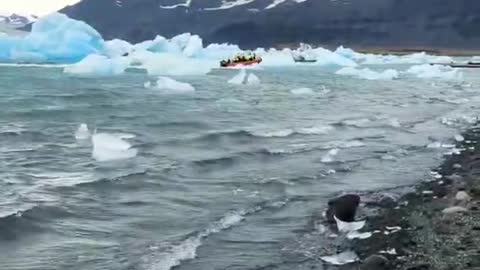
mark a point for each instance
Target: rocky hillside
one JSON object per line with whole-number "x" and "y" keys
{"x": 254, "y": 23}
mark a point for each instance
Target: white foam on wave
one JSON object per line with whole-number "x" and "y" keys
{"x": 239, "y": 78}
{"x": 274, "y": 133}
{"x": 186, "y": 250}
{"x": 312, "y": 130}
{"x": 82, "y": 132}
{"x": 368, "y": 74}
{"x": 428, "y": 71}
{"x": 109, "y": 147}
{"x": 252, "y": 79}
{"x": 315, "y": 130}
{"x": 243, "y": 78}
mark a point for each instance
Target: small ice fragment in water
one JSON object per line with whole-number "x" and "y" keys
{"x": 434, "y": 145}
{"x": 358, "y": 235}
{"x": 462, "y": 196}
{"x": 239, "y": 78}
{"x": 329, "y": 156}
{"x": 427, "y": 192}
{"x": 331, "y": 171}
{"x": 349, "y": 226}
{"x": 395, "y": 228}
{"x": 341, "y": 258}
{"x": 108, "y": 147}
{"x": 147, "y": 84}
{"x": 82, "y": 132}
{"x": 172, "y": 86}
{"x": 459, "y": 138}
{"x": 302, "y": 91}
{"x": 392, "y": 251}
{"x": 454, "y": 209}
{"x": 253, "y": 79}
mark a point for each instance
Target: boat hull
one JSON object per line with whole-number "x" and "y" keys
{"x": 239, "y": 64}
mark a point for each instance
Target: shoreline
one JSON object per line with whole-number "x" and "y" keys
{"x": 435, "y": 227}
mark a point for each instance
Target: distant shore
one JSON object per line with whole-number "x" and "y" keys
{"x": 439, "y": 223}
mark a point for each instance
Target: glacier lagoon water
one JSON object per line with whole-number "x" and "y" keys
{"x": 224, "y": 177}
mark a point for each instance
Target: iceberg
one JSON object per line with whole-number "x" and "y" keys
{"x": 427, "y": 71}
{"x": 54, "y": 38}
{"x": 171, "y": 65}
{"x": 368, "y": 74}
{"x": 98, "y": 65}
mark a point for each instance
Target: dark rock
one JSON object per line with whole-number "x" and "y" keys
{"x": 343, "y": 207}
{"x": 387, "y": 202}
{"x": 476, "y": 228}
{"x": 375, "y": 262}
{"x": 440, "y": 191}
{"x": 422, "y": 266}
{"x": 474, "y": 260}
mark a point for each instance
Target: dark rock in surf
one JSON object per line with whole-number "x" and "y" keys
{"x": 343, "y": 207}
{"x": 375, "y": 262}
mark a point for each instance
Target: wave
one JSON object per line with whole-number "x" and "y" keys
{"x": 370, "y": 123}
{"x": 166, "y": 256}
{"x": 267, "y": 133}
{"x": 30, "y": 220}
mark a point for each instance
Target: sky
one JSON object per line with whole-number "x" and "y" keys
{"x": 33, "y": 7}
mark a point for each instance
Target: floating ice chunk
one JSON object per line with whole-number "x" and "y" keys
{"x": 171, "y": 86}
{"x": 239, "y": 78}
{"x": 302, "y": 91}
{"x": 252, "y": 79}
{"x": 98, "y": 65}
{"x": 147, "y": 84}
{"x": 329, "y": 156}
{"x": 82, "y": 132}
{"x": 428, "y": 71}
{"x": 454, "y": 209}
{"x": 358, "y": 235}
{"x": 459, "y": 138}
{"x": 368, "y": 74}
{"x": 392, "y": 251}
{"x": 434, "y": 145}
{"x": 108, "y": 147}
{"x": 341, "y": 258}
{"x": 349, "y": 226}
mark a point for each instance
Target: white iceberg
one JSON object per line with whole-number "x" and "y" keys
{"x": 369, "y": 74}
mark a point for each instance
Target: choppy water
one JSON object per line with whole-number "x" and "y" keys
{"x": 227, "y": 177}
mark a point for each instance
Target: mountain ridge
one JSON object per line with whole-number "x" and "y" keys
{"x": 249, "y": 23}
